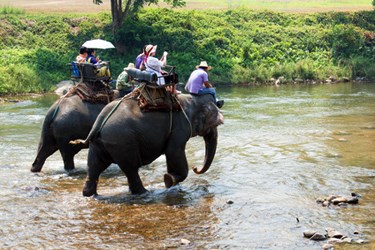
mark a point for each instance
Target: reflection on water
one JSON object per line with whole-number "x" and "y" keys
{"x": 279, "y": 150}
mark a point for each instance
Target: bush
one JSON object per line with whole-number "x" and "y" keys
{"x": 18, "y": 79}
{"x": 345, "y": 40}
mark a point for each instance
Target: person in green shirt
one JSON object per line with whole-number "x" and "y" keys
{"x": 124, "y": 82}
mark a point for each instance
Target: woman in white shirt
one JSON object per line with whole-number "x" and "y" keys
{"x": 154, "y": 65}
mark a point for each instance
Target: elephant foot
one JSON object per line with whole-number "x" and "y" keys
{"x": 169, "y": 180}
{"x": 35, "y": 168}
{"x": 90, "y": 188}
{"x": 69, "y": 168}
{"x": 138, "y": 191}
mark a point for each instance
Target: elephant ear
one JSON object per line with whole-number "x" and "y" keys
{"x": 209, "y": 116}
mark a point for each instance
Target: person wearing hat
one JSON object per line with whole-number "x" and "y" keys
{"x": 124, "y": 82}
{"x": 198, "y": 82}
{"x": 154, "y": 65}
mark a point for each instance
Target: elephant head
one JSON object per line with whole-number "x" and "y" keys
{"x": 206, "y": 121}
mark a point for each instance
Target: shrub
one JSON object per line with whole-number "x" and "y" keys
{"x": 345, "y": 40}
{"x": 18, "y": 79}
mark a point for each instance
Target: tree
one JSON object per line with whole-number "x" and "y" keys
{"x": 121, "y": 9}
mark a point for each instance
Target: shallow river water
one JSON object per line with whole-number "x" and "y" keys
{"x": 279, "y": 150}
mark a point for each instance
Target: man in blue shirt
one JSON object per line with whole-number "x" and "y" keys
{"x": 103, "y": 70}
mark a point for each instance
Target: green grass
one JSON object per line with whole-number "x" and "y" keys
{"x": 283, "y": 5}
{"x": 11, "y": 10}
{"x": 310, "y": 6}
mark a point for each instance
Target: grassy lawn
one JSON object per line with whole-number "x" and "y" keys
{"x": 284, "y": 5}
{"x": 86, "y": 6}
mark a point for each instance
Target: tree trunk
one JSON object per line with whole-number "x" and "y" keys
{"x": 116, "y": 10}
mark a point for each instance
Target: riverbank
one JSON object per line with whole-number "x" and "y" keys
{"x": 243, "y": 46}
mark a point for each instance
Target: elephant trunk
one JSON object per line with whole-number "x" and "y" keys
{"x": 211, "y": 144}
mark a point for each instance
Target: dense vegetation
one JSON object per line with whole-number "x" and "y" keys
{"x": 243, "y": 46}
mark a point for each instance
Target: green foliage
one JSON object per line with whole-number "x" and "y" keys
{"x": 345, "y": 40}
{"x": 362, "y": 67}
{"x": 18, "y": 79}
{"x": 11, "y": 10}
{"x": 242, "y": 45}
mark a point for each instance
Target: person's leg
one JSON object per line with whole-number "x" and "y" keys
{"x": 211, "y": 91}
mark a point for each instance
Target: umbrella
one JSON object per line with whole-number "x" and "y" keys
{"x": 98, "y": 44}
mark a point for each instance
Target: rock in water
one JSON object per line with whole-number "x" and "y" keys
{"x": 308, "y": 233}
{"x": 318, "y": 236}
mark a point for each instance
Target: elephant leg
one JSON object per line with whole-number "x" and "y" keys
{"x": 177, "y": 166}
{"x": 96, "y": 166}
{"x": 134, "y": 181}
{"x": 68, "y": 152}
{"x": 46, "y": 148}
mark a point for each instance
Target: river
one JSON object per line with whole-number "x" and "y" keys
{"x": 279, "y": 149}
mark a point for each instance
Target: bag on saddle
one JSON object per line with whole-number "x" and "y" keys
{"x": 155, "y": 96}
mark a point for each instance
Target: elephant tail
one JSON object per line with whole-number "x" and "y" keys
{"x": 101, "y": 120}
{"x": 94, "y": 132}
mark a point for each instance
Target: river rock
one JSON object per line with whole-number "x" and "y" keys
{"x": 360, "y": 241}
{"x": 353, "y": 200}
{"x": 308, "y": 233}
{"x": 338, "y": 200}
{"x": 318, "y": 236}
{"x": 325, "y": 204}
{"x": 334, "y": 234}
{"x": 347, "y": 240}
{"x": 185, "y": 242}
{"x": 334, "y": 241}
{"x": 328, "y": 247}
{"x": 345, "y": 79}
{"x": 331, "y": 197}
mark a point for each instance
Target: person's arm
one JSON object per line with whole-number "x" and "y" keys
{"x": 205, "y": 81}
{"x": 207, "y": 84}
{"x": 163, "y": 59}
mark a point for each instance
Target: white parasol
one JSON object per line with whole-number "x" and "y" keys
{"x": 98, "y": 44}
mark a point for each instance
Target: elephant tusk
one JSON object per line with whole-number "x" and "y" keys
{"x": 195, "y": 169}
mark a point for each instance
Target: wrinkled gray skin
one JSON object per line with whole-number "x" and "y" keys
{"x": 131, "y": 139}
{"x": 73, "y": 120}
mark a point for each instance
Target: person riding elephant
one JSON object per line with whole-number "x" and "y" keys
{"x": 198, "y": 83}
{"x": 124, "y": 82}
{"x": 125, "y": 135}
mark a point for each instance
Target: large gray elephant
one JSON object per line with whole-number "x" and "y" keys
{"x": 67, "y": 119}
{"x": 132, "y": 138}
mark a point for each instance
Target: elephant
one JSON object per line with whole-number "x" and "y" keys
{"x": 67, "y": 119}
{"x": 132, "y": 138}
